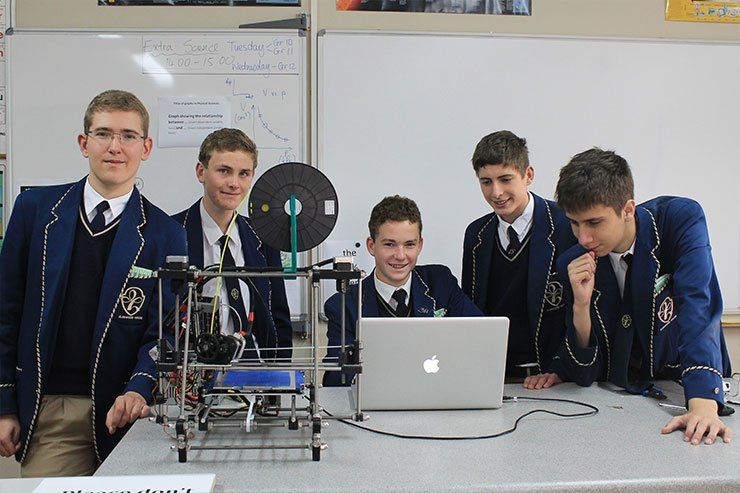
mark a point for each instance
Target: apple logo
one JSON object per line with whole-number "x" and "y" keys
{"x": 431, "y": 365}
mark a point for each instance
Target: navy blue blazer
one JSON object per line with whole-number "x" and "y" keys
{"x": 434, "y": 292}
{"x": 551, "y": 235}
{"x": 272, "y": 326}
{"x": 677, "y": 305}
{"x": 34, "y": 265}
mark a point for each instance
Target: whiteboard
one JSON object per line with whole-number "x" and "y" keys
{"x": 52, "y": 76}
{"x": 402, "y": 113}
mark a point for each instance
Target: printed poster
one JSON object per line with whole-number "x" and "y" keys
{"x": 494, "y": 7}
{"x": 186, "y": 121}
{"x": 702, "y": 11}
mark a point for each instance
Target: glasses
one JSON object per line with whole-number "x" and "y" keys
{"x": 126, "y": 138}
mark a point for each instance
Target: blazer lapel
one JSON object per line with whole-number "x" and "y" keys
{"x": 541, "y": 258}
{"x": 59, "y": 235}
{"x": 423, "y": 303}
{"x": 606, "y": 283}
{"x": 645, "y": 271}
{"x": 127, "y": 246}
{"x": 482, "y": 257}
{"x": 194, "y": 230}
{"x": 369, "y": 300}
{"x": 251, "y": 245}
{"x": 253, "y": 258}
{"x": 607, "y": 307}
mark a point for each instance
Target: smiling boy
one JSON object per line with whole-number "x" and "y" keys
{"x": 397, "y": 287}
{"x": 75, "y": 330}
{"x": 509, "y": 259}
{"x": 642, "y": 297}
{"x": 226, "y": 166}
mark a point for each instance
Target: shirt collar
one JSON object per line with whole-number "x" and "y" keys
{"x": 93, "y": 198}
{"x": 212, "y": 232}
{"x": 523, "y": 223}
{"x": 616, "y": 258}
{"x": 386, "y": 290}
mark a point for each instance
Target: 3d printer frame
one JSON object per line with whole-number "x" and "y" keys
{"x": 187, "y": 385}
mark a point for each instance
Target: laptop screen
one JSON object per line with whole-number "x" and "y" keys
{"x": 433, "y": 363}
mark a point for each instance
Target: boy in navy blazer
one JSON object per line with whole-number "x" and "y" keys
{"x": 509, "y": 259}
{"x": 397, "y": 287}
{"x": 643, "y": 301}
{"x": 76, "y": 330}
{"x": 225, "y": 167}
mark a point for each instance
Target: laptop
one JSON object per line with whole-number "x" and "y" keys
{"x": 433, "y": 363}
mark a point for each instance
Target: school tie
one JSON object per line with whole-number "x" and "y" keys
{"x": 627, "y": 291}
{"x": 626, "y": 319}
{"x": 514, "y": 243}
{"x": 98, "y": 223}
{"x": 236, "y": 302}
{"x": 627, "y": 258}
{"x": 401, "y": 308}
{"x": 635, "y": 361}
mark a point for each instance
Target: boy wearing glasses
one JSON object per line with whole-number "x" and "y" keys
{"x": 641, "y": 294}
{"x": 75, "y": 330}
{"x": 225, "y": 167}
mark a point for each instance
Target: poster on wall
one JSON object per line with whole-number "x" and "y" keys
{"x": 702, "y": 11}
{"x": 495, "y": 7}
{"x": 202, "y": 3}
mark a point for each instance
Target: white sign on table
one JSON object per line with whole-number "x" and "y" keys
{"x": 178, "y": 483}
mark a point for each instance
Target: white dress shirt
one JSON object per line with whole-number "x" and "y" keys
{"x": 386, "y": 291}
{"x": 620, "y": 266}
{"x": 93, "y": 199}
{"x": 521, "y": 224}
{"x": 212, "y": 255}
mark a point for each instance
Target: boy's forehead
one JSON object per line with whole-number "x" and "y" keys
{"x": 243, "y": 159}
{"x": 593, "y": 212}
{"x": 130, "y": 120}
{"x": 493, "y": 170}
{"x": 398, "y": 230}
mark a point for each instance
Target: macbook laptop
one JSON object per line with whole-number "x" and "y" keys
{"x": 433, "y": 363}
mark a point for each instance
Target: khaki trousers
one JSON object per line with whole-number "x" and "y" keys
{"x": 62, "y": 443}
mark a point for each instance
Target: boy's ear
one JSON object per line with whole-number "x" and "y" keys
{"x": 82, "y": 142}
{"x": 148, "y": 146}
{"x": 529, "y": 175}
{"x": 629, "y": 209}
{"x": 370, "y": 245}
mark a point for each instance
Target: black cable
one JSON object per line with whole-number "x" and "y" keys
{"x": 594, "y": 410}
{"x": 317, "y": 264}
